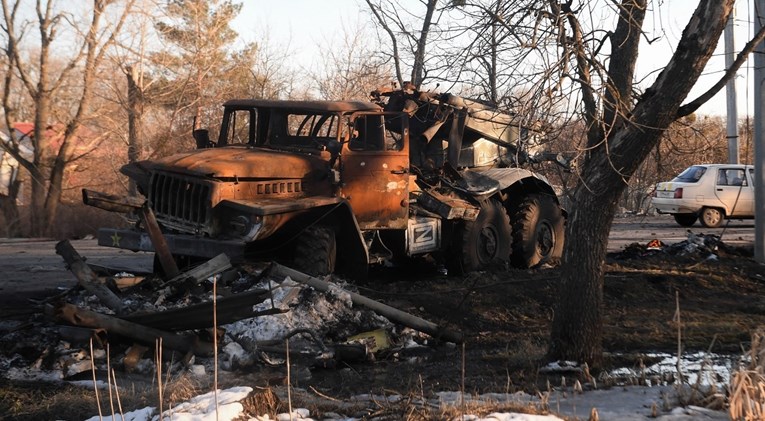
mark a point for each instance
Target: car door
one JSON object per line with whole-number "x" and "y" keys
{"x": 734, "y": 190}
{"x": 375, "y": 170}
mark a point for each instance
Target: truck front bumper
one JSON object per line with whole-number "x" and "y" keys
{"x": 180, "y": 244}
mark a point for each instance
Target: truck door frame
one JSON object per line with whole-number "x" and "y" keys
{"x": 375, "y": 180}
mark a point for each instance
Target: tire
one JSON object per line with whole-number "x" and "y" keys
{"x": 685, "y": 219}
{"x": 483, "y": 242}
{"x": 538, "y": 231}
{"x": 711, "y": 217}
{"x": 316, "y": 251}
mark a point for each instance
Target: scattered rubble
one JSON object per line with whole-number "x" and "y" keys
{"x": 249, "y": 310}
{"x": 705, "y": 246}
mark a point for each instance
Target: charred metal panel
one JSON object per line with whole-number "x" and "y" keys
{"x": 375, "y": 174}
{"x": 183, "y": 244}
{"x": 509, "y": 176}
{"x": 448, "y": 207}
{"x": 376, "y": 186}
{"x": 482, "y": 153}
{"x": 264, "y": 207}
{"x": 306, "y": 106}
{"x": 243, "y": 163}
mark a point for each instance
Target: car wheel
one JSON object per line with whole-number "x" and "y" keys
{"x": 483, "y": 242}
{"x": 711, "y": 217}
{"x": 316, "y": 251}
{"x": 686, "y": 219}
{"x": 538, "y": 231}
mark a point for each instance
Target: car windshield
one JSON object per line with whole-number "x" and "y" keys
{"x": 691, "y": 174}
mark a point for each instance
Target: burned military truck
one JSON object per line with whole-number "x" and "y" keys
{"x": 337, "y": 186}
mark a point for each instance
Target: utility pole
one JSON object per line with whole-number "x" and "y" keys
{"x": 730, "y": 91}
{"x": 759, "y": 134}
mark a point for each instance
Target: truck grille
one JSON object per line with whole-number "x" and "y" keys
{"x": 179, "y": 200}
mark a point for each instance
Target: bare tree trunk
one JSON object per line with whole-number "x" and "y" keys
{"x": 418, "y": 68}
{"x": 11, "y": 210}
{"x": 577, "y": 325}
{"x": 41, "y": 161}
{"x": 135, "y": 116}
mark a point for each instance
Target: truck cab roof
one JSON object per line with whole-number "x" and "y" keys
{"x": 309, "y": 106}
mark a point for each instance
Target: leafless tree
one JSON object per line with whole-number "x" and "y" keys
{"x": 197, "y": 67}
{"x": 408, "y": 46}
{"x": 349, "y": 69}
{"x": 95, "y": 38}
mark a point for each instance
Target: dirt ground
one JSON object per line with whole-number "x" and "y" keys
{"x": 505, "y": 314}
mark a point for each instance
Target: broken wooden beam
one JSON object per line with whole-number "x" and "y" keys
{"x": 200, "y": 316}
{"x": 82, "y": 335}
{"x": 391, "y": 313}
{"x": 87, "y": 278}
{"x": 147, "y": 335}
{"x": 128, "y": 204}
{"x": 110, "y": 202}
{"x": 207, "y": 269}
{"x": 161, "y": 249}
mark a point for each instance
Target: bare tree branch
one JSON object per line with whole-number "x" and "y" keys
{"x": 694, "y": 105}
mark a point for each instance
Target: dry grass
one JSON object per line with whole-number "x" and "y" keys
{"x": 747, "y": 396}
{"x": 29, "y": 400}
{"x": 262, "y": 401}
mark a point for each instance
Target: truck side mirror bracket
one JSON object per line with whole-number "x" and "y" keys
{"x": 202, "y": 138}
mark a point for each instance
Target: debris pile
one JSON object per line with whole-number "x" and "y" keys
{"x": 250, "y": 311}
{"x": 697, "y": 246}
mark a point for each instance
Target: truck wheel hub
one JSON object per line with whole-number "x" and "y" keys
{"x": 545, "y": 239}
{"x": 488, "y": 242}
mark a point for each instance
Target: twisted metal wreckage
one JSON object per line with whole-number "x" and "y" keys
{"x": 329, "y": 187}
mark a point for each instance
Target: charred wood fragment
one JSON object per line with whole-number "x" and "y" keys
{"x": 144, "y": 334}
{"x": 124, "y": 204}
{"x": 200, "y": 316}
{"x": 198, "y": 274}
{"x": 87, "y": 278}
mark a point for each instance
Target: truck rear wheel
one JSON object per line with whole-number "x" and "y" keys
{"x": 537, "y": 231}
{"x": 482, "y": 242}
{"x": 316, "y": 250}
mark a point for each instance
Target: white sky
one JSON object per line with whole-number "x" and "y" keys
{"x": 303, "y": 24}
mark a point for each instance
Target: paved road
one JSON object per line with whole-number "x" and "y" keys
{"x": 32, "y": 267}
{"x": 29, "y": 265}
{"x": 641, "y": 229}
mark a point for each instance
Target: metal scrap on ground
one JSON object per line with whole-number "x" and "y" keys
{"x": 257, "y": 307}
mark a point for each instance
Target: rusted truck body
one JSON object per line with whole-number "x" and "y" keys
{"x": 337, "y": 186}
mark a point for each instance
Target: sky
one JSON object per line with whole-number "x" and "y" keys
{"x": 304, "y": 24}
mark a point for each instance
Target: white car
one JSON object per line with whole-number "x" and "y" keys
{"x": 708, "y": 192}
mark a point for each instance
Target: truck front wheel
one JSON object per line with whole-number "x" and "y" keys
{"x": 537, "y": 231}
{"x": 481, "y": 242}
{"x": 316, "y": 250}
